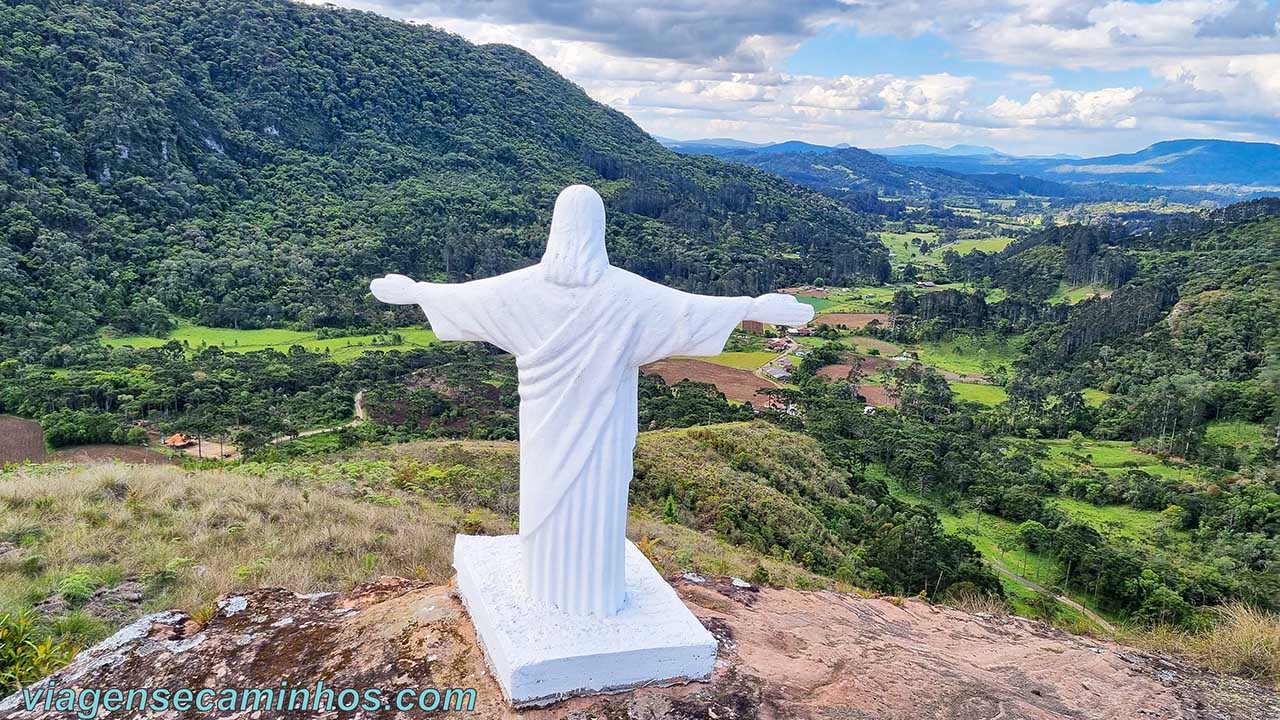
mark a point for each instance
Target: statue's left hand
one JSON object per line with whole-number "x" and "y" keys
{"x": 395, "y": 289}
{"x": 780, "y": 309}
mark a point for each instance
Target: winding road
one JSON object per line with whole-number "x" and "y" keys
{"x": 1003, "y": 570}
{"x": 359, "y": 417}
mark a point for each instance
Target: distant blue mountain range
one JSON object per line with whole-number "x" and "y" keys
{"x": 1174, "y": 163}
{"x": 1249, "y": 168}
{"x": 935, "y": 150}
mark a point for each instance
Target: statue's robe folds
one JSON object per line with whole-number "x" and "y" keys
{"x": 579, "y": 350}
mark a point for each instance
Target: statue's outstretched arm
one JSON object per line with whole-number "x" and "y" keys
{"x": 779, "y": 309}
{"x": 399, "y": 290}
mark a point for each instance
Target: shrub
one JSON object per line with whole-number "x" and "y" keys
{"x": 77, "y": 586}
{"x": 760, "y": 576}
{"x": 27, "y": 653}
{"x": 82, "y": 427}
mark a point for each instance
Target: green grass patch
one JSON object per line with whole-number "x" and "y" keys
{"x": 232, "y": 340}
{"x": 864, "y": 346}
{"x": 905, "y": 249}
{"x": 964, "y": 247}
{"x": 741, "y": 360}
{"x": 1117, "y": 456}
{"x": 818, "y": 304}
{"x": 1145, "y": 527}
{"x": 967, "y": 354}
{"x": 1100, "y": 454}
{"x": 857, "y": 299}
{"x": 979, "y": 393}
{"x": 1073, "y": 295}
{"x": 1238, "y": 434}
{"x": 1094, "y": 397}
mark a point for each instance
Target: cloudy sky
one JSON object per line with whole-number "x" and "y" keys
{"x": 1025, "y": 76}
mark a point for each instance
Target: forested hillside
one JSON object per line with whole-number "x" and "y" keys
{"x": 246, "y": 164}
{"x": 1180, "y": 324}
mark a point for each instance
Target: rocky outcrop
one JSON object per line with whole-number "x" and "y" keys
{"x": 783, "y": 654}
{"x": 115, "y": 605}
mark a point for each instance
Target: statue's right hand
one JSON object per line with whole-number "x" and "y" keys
{"x": 395, "y": 289}
{"x": 779, "y": 309}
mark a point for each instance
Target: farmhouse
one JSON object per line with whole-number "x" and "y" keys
{"x": 805, "y": 331}
{"x": 178, "y": 440}
{"x": 776, "y": 344}
{"x": 777, "y": 373}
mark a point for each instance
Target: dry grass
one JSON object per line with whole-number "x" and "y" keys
{"x": 675, "y": 549}
{"x": 979, "y": 603}
{"x": 1244, "y": 641}
{"x": 191, "y": 537}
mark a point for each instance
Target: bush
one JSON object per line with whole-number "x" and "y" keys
{"x": 760, "y": 576}
{"x": 64, "y": 428}
{"x": 77, "y": 587}
{"x": 27, "y": 653}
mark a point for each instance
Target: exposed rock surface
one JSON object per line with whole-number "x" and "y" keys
{"x": 115, "y": 604}
{"x": 784, "y": 654}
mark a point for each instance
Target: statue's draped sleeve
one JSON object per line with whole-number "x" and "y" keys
{"x": 681, "y": 323}
{"x": 477, "y": 311}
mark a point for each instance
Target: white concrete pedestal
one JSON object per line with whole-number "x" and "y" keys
{"x": 540, "y": 654}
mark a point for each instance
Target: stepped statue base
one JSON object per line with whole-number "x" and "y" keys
{"x": 540, "y": 654}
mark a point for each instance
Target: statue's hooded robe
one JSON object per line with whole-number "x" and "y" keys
{"x": 580, "y": 329}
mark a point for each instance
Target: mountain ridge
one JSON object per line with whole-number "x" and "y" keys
{"x": 253, "y": 164}
{"x": 1170, "y": 163}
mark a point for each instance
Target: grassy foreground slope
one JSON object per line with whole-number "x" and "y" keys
{"x": 188, "y": 536}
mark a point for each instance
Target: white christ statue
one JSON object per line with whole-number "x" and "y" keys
{"x": 580, "y": 329}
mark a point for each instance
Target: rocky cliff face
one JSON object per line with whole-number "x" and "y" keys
{"x": 783, "y": 654}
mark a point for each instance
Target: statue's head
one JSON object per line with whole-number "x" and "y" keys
{"x": 575, "y": 254}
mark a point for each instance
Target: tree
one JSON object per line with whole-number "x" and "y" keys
{"x": 1034, "y": 536}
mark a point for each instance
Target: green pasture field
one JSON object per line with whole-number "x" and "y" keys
{"x": 232, "y": 340}
{"x": 980, "y": 393}
{"x": 1073, "y": 295}
{"x": 966, "y": 354}
{"x": 818, "y": 304}
{"x": 1238, "y": 434}
{"x": 853, "y": 300}
{"x": 964, "y": 247}
{"x": 1145, "y": 527}
{"x": 741, "y": 360}
{"x": 1117, "y": 456}
{"x": 904, "y": 249}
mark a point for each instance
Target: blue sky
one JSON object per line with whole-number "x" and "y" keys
{"x": 1025, "y": 76}
{"x": 844, "y": 51}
